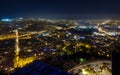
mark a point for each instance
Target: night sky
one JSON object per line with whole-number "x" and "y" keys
{"x": 60, "y": 8}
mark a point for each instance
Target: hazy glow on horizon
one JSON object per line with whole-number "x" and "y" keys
{"x": 6, "y": 20}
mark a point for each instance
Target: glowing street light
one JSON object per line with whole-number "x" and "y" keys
{"x": 84, "y": 72}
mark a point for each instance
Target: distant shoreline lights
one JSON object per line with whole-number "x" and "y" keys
{"x": 6, "y": 20}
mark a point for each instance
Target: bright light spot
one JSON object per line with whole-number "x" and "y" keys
{"x": 81, "y": 59}
{"x": 29, "y": 50}
{"x": 87, "y": 46}
{"x": 108, "y": 55}
{"x": 111, "y": 33}
{"x": 118, "y": 26}
{"x": 6, "y": 20}
{"x": 5, "y": 52}
{"x": 6, "y": 68}
{"x": 84, "y": 72}
{"x": 21, "y": 18}
{"x": 11, "y": 69}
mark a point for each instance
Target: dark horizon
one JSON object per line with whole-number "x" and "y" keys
{"x": 67, "y": 9}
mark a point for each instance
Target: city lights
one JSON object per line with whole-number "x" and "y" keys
{"x": 74, "y": 48}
